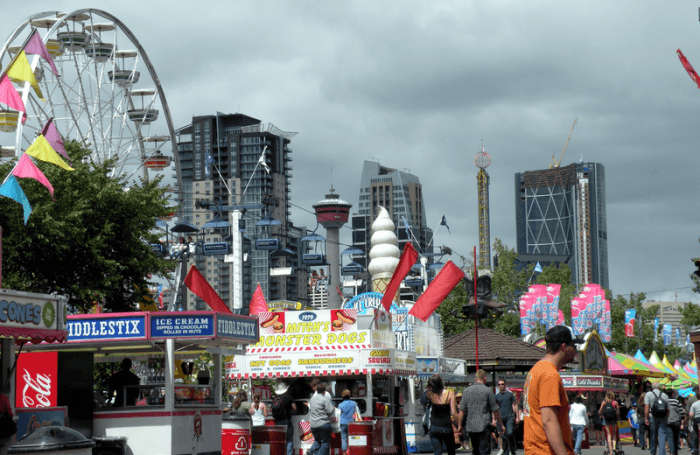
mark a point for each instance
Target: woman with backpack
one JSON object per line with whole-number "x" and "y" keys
{"x": 610, "y": 411}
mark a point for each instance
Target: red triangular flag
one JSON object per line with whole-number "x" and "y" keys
{"x": 200, "y": 286}
{"x": 437, "y": 291}
{"x": 257, "y": 302}
{"x": 688, "y": 67}
{"x": 408, "y": 258}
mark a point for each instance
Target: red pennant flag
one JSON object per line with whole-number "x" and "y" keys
{"x": 688, "y": 67}
{"x": 257, "y": 302}
{"x": 408, "y": 258}
{"x": 437, "y": 291}
{"x": 200, "y": 286}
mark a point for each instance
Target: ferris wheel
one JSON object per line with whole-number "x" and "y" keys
{"x": 106, "y": 95}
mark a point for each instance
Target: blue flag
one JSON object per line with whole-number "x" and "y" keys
{"x": 667, "y": 334}
{"x": 656, "y": 329}
{"x": 538, "y": 267}
{"x": 12, "y": 190}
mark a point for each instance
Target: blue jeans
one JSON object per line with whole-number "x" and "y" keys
{"x": 509, "y": 444}
{"x": 344, "y": 436}
{"x": 577, "y": 431}
{"x": 322, "y": 440}
{"x": 659, "y": 432}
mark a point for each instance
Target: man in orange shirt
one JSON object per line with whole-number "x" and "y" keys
{"x": 545, "y": 406}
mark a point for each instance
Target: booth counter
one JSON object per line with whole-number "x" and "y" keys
{"x": 164, "y": 416}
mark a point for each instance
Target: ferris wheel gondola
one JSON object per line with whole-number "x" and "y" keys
{"x": 106, "y": 95}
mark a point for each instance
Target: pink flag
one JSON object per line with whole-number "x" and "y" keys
{"x": 257, "y": 302}
{"x": 27, "y": 169}
{"x": 10, "y": 97}
{"x": 54, "y": 138}
{"x": 36, "y": 46}
{"x": 560, "y": 318}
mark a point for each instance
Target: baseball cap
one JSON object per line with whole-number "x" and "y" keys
{"x": 561, "y": 334}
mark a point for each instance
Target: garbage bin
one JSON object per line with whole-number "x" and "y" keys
{"x": 109, "y": 445}
{"x": 55, "y": 439}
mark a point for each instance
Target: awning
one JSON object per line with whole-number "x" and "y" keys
{"x": 30, "y": 317}
{"x": 322, "y": 363}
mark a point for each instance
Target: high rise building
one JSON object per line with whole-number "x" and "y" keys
{"x": 401, "y": 194}
{"x": 560, "y": 218}
{"x": 218, "y": 157}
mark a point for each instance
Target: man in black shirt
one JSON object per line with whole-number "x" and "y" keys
{"x": 124, "y": 380}
{"x": 282, "y": 409}
{"x": 508, "y": 409}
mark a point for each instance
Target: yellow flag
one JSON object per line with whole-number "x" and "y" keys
{"x": 42, "y": 150}
{"x": 22, "y": 71}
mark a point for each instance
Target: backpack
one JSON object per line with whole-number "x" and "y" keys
{"x": 659, "y": 407}
{"x": 609, "y": 413}
{"x": 279, "y": 411}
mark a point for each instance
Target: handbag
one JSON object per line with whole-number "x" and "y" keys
{"x": 8, "y": 427}
{"x": 426, "y": 419}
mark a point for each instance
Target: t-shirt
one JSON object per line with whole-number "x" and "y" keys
{"x": 320, "y": 411}
{"x": 543, "y": 388}
{"x": 505, "y": 402}
{"x": 478, "y": 402}
{"x": 578, "y": 414}
{"x": 695, "y": 410}
{"x": 649, "y": 399}
{"x": 347, "y": 411}
{"x": 632, "y": 418}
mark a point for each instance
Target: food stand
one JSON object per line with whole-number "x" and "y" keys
{"x": 345, "y": 349}
{"x": 168, "y": 417}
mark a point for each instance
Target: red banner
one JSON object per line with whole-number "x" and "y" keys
{"x": 36, "y": 380}
{"x": 629, "y": 328}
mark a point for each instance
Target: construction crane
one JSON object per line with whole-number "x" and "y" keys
{"x": 556, "y": 162}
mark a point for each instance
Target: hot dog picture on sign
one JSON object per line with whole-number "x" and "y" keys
{"x": 271, "y": 323}
{"x": 343, "y": 319}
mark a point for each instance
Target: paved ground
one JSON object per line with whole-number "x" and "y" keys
{"x": 598, "y": 450}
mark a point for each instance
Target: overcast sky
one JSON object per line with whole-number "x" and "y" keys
{"x": 416, "y": 85}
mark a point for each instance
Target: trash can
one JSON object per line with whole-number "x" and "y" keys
{"x": 109, "y": 445}
{"x": 55, "y": 439}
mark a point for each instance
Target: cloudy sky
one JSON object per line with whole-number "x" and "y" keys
{"x": 416, "y": 85}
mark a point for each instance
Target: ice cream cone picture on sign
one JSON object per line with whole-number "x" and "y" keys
{"x": 271, "y": 323}
{"x": 343, "y": 319}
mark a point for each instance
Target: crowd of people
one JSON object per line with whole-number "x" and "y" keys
{"x": 554, "y": 420}
{"x": 323, "y": 414}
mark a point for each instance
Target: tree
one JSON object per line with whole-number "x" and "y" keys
{"x": 92, "y": 244}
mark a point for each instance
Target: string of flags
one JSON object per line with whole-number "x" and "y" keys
{"x": 48, "y": 146}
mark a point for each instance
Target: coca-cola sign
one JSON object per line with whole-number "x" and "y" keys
{"x": 36, "y": 380}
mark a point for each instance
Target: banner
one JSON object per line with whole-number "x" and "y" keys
{"x": 287, "y": 331}
{"x": 630, "y": 316}
{"x": 656, "y": 329}
{"x": 36, "y": 380}
{"x": 667, "y": 333}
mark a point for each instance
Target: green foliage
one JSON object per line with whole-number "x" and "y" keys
{"x": 92, "y": 243}
{"x": 691, "y": 315}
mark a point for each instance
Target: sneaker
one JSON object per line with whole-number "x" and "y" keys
{"x": 500, "y": 452}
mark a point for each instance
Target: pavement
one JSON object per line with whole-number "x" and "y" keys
{"x": 628, "y": 449}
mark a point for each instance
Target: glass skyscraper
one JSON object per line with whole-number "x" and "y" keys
{"x": 218, "y": 154}
{"x": 401, "y": 193}
{"x": 560, "y": 218}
